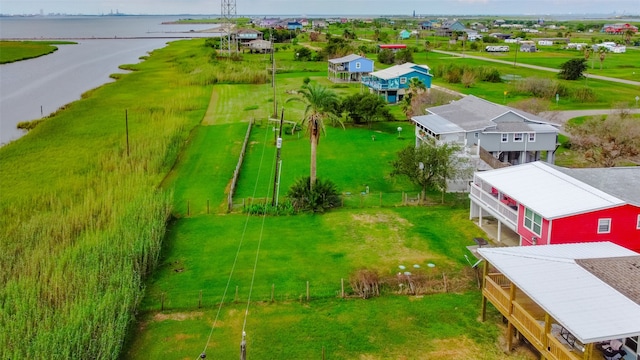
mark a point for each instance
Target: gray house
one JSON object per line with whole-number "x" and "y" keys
{"x": 509, "y": 135}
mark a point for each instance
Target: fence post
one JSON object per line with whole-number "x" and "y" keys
{"x": 446, "y": 284}
{"x": 207, "y": 206}
{"x": 273, "y": 290}
{"x": 236, "y": 298}
{"x": 380, "y": 198}
{"x": 162, "y": 302}
{"x": 307, "y": 290}
{"x": 342, "y": 288}
{"x": 188, "y": 208}
{"x": 200, "y": 300}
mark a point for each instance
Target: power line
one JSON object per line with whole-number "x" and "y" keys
{"x": 235, "y": 260}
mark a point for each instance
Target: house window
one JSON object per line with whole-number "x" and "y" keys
{"x": 517, "y": 137}
{"x": 533, "y": 221}
{"x": 638, "y": 223}
{"x": 358, "y": 66}
{"x": 403, "y": 80}
{"x": 476, "y": 135}
{"x": 633, "y": 344}
{"x": 505, "y": 138}
{"x": 604, "y": 226}
{"x": 532, "y": 137}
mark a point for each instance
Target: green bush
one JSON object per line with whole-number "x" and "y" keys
{"x": 324, "y": 195}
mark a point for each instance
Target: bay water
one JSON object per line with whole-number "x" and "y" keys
{"x": 34, "y": 88}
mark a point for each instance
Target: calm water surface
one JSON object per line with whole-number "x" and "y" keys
{"x": 37, "y": 87}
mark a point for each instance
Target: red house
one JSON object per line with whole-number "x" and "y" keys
{"x": 547, "y": 204}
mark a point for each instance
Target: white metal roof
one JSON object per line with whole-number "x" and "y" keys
{"x": 437, "y": 124}
{"x": 589, "y": 308}
{"x": 398, "y": 70}
{"x": 346, "y": 59}
{"x": 548, "y": 191}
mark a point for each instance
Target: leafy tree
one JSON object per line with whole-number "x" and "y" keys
{"x": 366, "y": 108}
{"x": 404, "y": 56}
{"x": 321, "y": 104}
{"x": 386, "y": 56}
{"x": 337, "y": 47}
{"x": 572, "y": 69}
{"x": 319, "y": 198}
{"x": 430, "y": 165}
{"x": 606, "y": 140}
{"x": 303, "y": 54}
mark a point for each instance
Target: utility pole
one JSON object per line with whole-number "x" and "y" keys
{"x": 273, "y": 76}
{"x": 276, "y": 179}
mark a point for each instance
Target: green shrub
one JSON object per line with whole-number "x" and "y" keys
{"x": 324, "y": 195}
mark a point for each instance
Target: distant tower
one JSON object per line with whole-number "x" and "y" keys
{"x": 228, "y": 41}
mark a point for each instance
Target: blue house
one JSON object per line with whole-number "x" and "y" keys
{"x": 404, "y": 35}
{"x": 392, "y": 83}
{"x": 294, "y": 25}
{"x": 349, "y": 68}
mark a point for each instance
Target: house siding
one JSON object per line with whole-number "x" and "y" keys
{"x": 584, "y": 227}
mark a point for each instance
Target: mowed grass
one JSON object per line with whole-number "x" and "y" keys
{"x": 227, "y": 260}
{"x": 436, "y": 327}
{"x": 217, "y": 255}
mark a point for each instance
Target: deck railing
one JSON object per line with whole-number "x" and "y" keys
{"x": 528, "y": 325}
{"x": 496, "y": 290}
{"x": 507, "y": 213}
{"x": 497, "y": 295}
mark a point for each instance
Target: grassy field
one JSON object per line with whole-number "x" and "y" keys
{"x": 208, "y": 259}
{"x": 12, "y": 51}
{"x": 82, "y": 216}
{"x": 83, "y": 222}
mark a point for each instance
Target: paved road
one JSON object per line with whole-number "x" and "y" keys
{"x": 536, "y": 67}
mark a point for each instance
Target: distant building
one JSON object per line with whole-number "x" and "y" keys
{"x": 619, "y": 28}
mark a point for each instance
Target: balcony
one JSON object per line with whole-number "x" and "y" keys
{"x": 532, "y": 322}
{"x": 376, "y": 83}
{"x": 503, "y": 211}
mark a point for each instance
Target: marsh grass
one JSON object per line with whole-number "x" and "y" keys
{"x": 12, "y": 51}
{"x": 83, "y": 217}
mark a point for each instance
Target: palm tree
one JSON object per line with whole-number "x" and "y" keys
{"x": 628, "y": 34}
{"x": 416, "y": 87}
{"x": 602, "y": 51}
{"x": 321, "y": 103}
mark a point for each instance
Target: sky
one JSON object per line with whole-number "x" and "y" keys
{"x": 326, "y": 7}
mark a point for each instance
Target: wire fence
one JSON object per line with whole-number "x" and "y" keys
{"x": 420, "y": 283}
{"x": 348, "y": 200}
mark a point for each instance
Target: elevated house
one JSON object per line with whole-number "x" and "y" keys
{"x": 546, "y": 204}
{"x": 392, "y": 83}
{"x": 259, "y": 46}
{"x": 447, "y": 28}
{"x": 349, "y": 68}
{"x": 244, "y": 36}
{"x": 505, "y": 134}
{"x": 570, "y": 302}
{"x": 428, "y": 25}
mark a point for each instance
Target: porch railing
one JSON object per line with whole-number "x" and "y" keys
{"x": 496, "y": 291}
{"x": 508, "y": 214}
